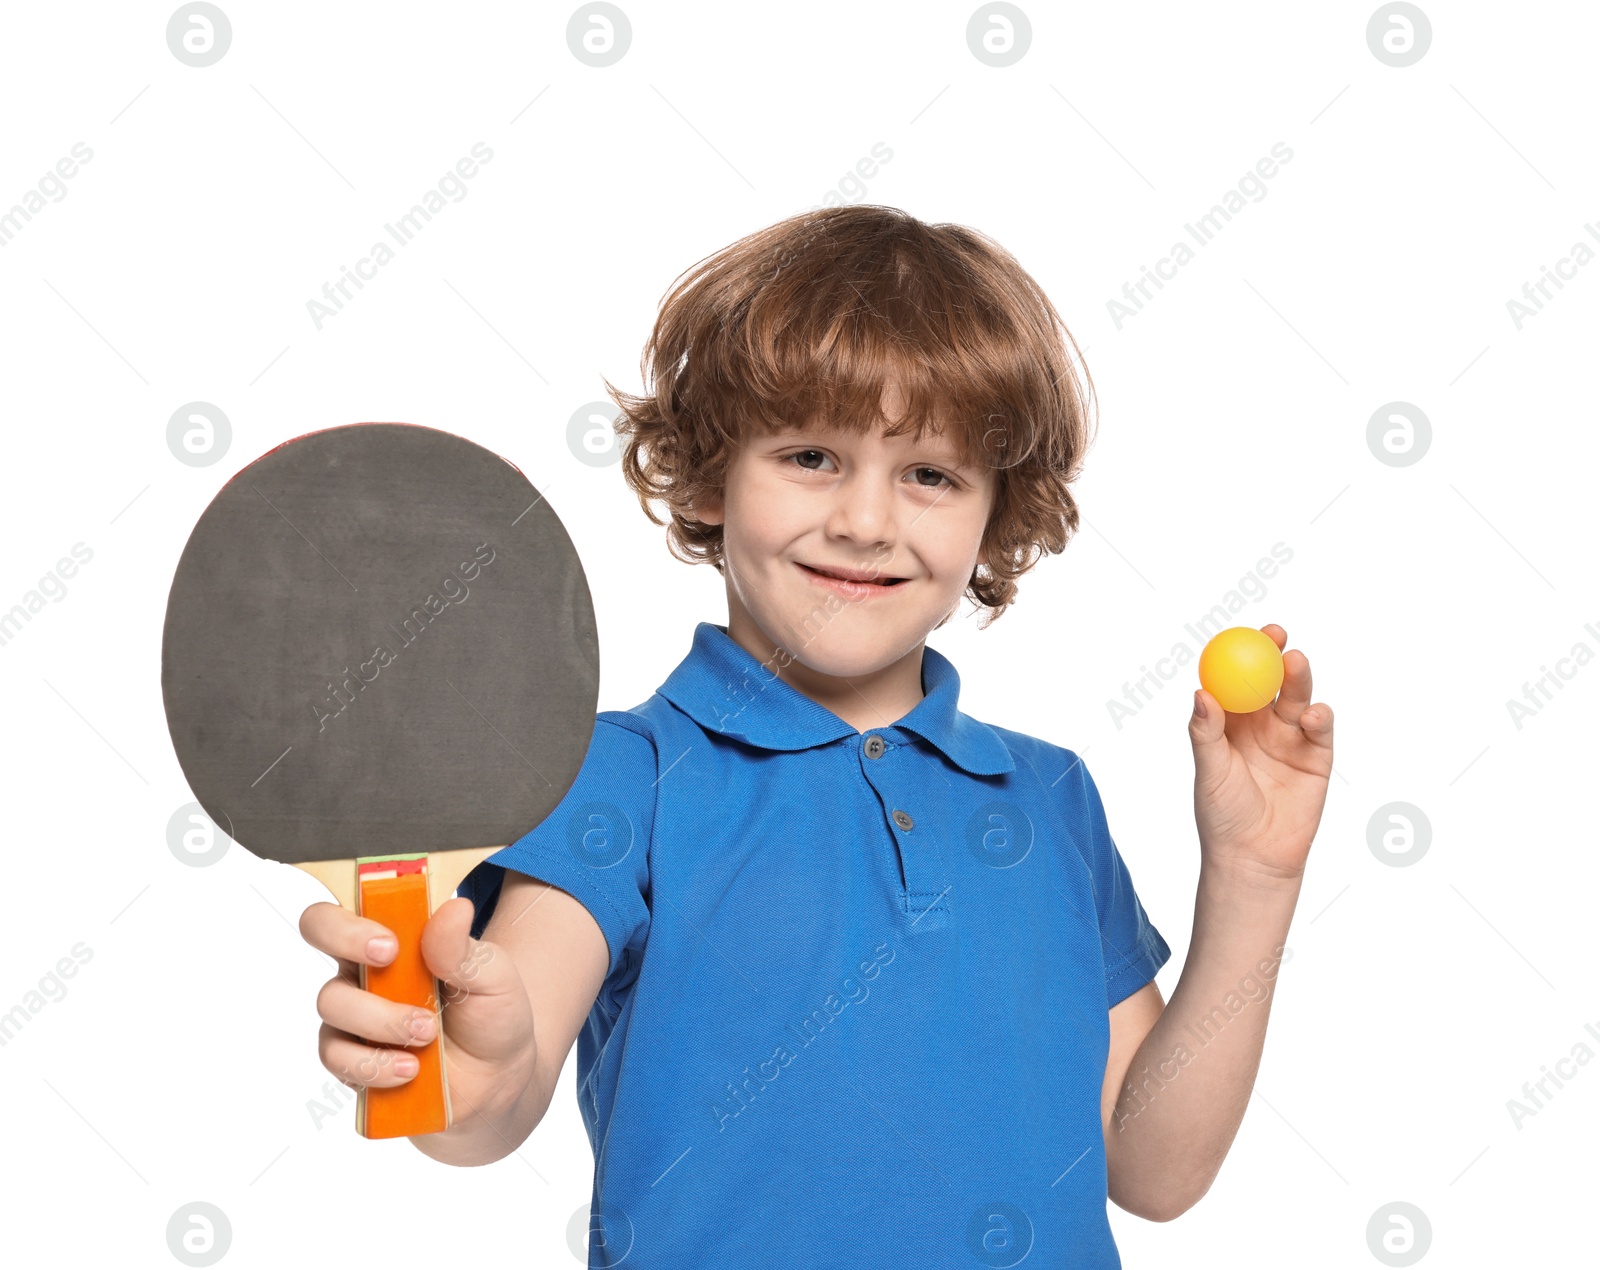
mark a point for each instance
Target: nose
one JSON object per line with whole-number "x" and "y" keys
{"x": 862, "y": 512}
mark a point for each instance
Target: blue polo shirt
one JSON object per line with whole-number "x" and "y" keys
{"x": 855, "y": 1013}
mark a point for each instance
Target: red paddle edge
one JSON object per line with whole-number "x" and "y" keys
{"x": 390, "y": 423}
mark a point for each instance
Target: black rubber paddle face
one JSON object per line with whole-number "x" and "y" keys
{"x": 379, "y": 640}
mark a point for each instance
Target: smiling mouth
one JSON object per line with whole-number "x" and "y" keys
{"x": 858, "y": 581}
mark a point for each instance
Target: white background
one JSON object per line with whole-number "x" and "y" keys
{"x": 1233, "y": 415}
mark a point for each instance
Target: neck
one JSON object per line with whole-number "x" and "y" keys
{"x": 872, "y": 699}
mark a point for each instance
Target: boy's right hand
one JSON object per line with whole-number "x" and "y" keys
{"x": 490, "y": 1048}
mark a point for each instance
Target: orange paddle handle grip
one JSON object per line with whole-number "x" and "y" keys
{"x": 397, "y": 897}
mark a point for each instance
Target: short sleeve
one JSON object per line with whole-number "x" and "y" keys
{"x": 595, "y": 844}
{"x": 1134, "y": 949}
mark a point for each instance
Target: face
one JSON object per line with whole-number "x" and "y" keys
{"x": 905, "y": 515}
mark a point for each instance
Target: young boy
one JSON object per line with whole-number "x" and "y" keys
{"x": 855, "y": 979}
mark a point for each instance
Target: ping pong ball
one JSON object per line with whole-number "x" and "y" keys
{"x": 1242, "y": 668}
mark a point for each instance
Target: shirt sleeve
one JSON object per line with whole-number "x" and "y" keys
{"x": 1134, "y": 949}
{"x": 595, "y": 844}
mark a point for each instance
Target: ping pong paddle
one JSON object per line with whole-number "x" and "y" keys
{"x": 379, "y": 664}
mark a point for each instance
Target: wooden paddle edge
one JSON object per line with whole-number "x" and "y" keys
{"x": 446, "y": 871}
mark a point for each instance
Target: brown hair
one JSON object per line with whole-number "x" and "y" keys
{"x": 812, "y": 318}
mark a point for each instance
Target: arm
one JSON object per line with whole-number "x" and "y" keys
{"x": 1171, "y": 1108}
{"x": 1178, "y": 1078}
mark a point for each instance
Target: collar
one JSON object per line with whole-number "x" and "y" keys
{"x": 726, "y": 690}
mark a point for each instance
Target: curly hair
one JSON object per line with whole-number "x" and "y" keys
{"x": 812, "y": 318}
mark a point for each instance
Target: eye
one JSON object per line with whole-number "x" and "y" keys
{"x": 937, "y": 473}
{"x": 806, "y": 454}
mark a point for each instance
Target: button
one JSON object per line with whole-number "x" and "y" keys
{"x": 903, "y": 820}
{"x": 874, "y": 746}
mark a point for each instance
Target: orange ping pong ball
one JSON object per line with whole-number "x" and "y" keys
{"x": 1242, "y": 668}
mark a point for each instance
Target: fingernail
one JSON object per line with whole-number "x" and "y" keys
{"x": 421, "y": 1026}
{"x": 405, "y": 1065}
{"x": 1199, "y": 706}
{"x": 381, "y": 949}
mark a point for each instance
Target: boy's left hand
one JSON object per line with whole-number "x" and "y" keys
{"x": 1260, "y": 779}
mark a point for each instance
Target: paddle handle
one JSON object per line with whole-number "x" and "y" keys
{"x": 394, "y": 893}
{"x": 401, "y": 892}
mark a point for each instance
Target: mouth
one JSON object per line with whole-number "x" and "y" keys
{"x": 852, "y": 579}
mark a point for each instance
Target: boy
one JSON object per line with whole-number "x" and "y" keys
{"x": 856, "y": 980}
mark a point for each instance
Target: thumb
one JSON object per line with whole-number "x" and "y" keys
{"x": 1208, "y": 733}
{"x": 467, "y": 966}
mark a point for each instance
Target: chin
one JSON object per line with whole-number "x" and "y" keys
{"x": 852, "y": 644}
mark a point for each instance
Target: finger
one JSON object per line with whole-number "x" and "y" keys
{"x": 351, "y": 939}
{"x": 1317, "y": 724}
{"x": 357, "y": 1063}
{"x": 1295, "y": 694}
{"x": 463, "y": 964}
{"x": 1208, "y": 735}
{"x": 369, "y": 1017}
{"x": 1276, "y": 634}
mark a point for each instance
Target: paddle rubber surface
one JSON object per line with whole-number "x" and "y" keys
{"x": 379, "y": 640}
